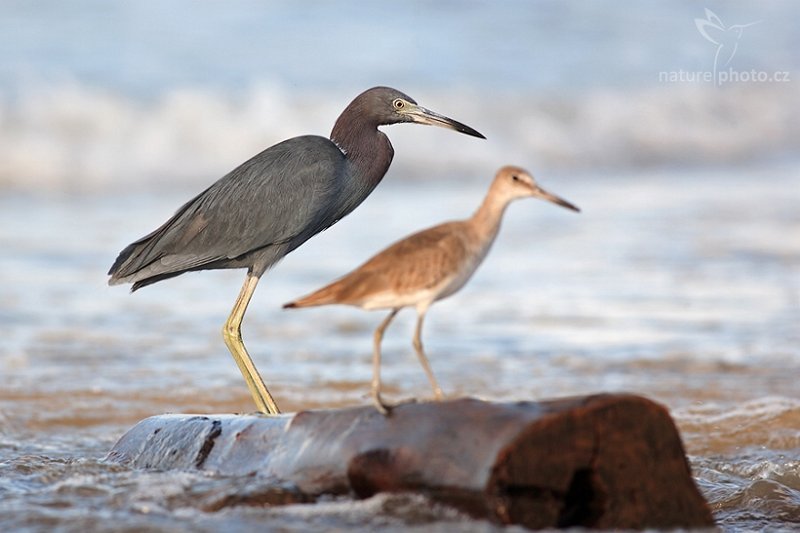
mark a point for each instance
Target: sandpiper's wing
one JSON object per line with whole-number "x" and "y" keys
{"x": 412, "y": 266}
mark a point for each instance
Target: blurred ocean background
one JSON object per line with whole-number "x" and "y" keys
{"x": 680, "y": 280}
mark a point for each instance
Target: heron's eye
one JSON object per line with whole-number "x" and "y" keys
{"x": 398, "y": 103}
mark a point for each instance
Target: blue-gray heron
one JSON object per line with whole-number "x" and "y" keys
{"x": 273, "y": 203}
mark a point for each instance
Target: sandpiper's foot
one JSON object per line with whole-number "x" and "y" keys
{"x": 382, "y": 407}
{"x": 438, "y": 395}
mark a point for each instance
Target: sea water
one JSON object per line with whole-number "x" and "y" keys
{"x": 680, "y": 279}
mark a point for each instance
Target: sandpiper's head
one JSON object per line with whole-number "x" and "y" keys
{"x": 384, "y": 105}
{"x": 514, "y": 182}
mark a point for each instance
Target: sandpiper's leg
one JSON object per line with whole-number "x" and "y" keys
{"x": 376, "y": 364}
{"x": 437, "y": 391}
{"x": 232, "y": 334}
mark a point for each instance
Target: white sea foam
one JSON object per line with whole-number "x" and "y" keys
{"x": 78, "y": 137}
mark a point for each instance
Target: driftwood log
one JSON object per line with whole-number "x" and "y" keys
{"x": 604, "y": 461}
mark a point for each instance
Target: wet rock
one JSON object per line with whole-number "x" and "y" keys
{"x": 604, "y": 461}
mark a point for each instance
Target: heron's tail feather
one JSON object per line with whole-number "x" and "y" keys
{"x": 128, "y": 263}
{"x": 137, "y": 264}
{"x": 147, "y": 257}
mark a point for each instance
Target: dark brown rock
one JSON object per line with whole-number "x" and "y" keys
{"x": 605, "y": 461}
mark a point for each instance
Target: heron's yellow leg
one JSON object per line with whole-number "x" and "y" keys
{"x": 376, "y": 364}
{"x": 232, "y": 334}
{"x": 437, "y": 391}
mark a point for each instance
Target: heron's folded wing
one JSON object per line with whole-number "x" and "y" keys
{"x": 286, "y": 192}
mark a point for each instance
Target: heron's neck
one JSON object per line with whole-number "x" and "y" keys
{"x": 366, "y": 148}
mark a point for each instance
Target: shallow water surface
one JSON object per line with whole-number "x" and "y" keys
{"x": 682, "y": 286}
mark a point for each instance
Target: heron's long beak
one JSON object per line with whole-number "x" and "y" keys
{"x": 538, "y": 192}
{"x": 420, "y": 115}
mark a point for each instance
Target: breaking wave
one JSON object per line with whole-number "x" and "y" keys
{"x": 76, "y": 137}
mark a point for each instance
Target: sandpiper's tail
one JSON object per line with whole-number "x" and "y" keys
{"x": 349, "y": 290}
{"x": 325, "y": 296}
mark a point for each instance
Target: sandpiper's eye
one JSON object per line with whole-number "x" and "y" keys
{"x": 515, "y": 177}
{"x": 398, "y": 103}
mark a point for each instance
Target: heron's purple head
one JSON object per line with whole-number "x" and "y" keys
{"x": 383, "y": 105}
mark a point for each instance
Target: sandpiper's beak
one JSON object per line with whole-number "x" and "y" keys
{"x": 420, "y": 115}
{"x": 538, "y": 192}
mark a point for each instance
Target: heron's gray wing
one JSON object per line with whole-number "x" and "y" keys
{"x": 286, "y": 193}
